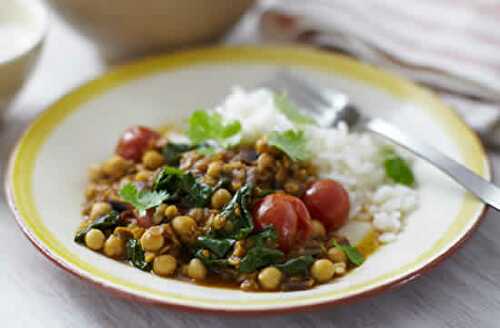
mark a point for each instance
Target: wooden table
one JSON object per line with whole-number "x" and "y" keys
{"x": 462, "y": 292}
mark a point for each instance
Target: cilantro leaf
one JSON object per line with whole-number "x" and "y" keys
{"x": 205, "y": 126}
{"x": 354, "y": 256}
{"x": 141, "y": 200}
{"x": 396, "y": 168}
{"x": 284, "y": 105}
{"x": 291, "y": 142}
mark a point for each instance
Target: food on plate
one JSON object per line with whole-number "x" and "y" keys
{"x": 253, "y": 194}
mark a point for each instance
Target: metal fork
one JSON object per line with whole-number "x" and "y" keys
{"x": 310, "y": 99}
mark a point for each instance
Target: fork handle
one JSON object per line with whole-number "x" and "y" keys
{"x": 477, "y": 185}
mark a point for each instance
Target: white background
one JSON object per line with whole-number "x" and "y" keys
{"x": 462, "y": 292}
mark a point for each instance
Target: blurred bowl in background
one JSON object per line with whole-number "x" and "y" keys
{"x": 124, "y": 29}
{"x": 23, "y": 26}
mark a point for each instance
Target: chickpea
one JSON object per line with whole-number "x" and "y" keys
{"x": 91, "y": 191}
{"x": 116, "y": 167}
{"x": 171, "y": 212}
{"x": 143, "y": 175}
{"x": 159, "y": 214}
{"x": 322, "y": 270}
{"x": 164, "y": 265}
{"x": 99, "y": 209}
{"x": 220, "y": 198}
{"x": 337, "y": 255}
{"x": 340, "y": 268}
{"x": 152, "y": 159}
{"x": 94, "y": 239}
{"x": 214, "y": 169}
{"x": 185, "y": 227}
{"x": 197, "y": 214}
{"x": 318, "y": 229}
{"x": 95, "y": 173}
{"x": 264, "y": 162}
{"x": 261, "y": 145}
{"x": 149, "y": 257}
{"x": 152, "y": 240}
{"x": 270, "y": 278}
{"x": 114, "y": 247}
{"x": 196, "y": 269}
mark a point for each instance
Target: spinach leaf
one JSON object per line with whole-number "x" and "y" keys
{"x": 135, "y": 255}
{"x": 204, "y": 126}
{"x": 291, "y": 142}
{"x": 108, "y": 221}
{"x": 211, "y": 261}
{"x": 173, "y": 152}
{"x": 219, "y": 247}
{"x": 284, "y": 105}
{"x": 141, "y": 200}
{"x": 298, "y": 266}
{"x": 397, "y": 169}
{"x": 263, "y": 237}
{"x": 182, "y": 188}
{"x": 260, "y": 255}
{"x": 237, "y": 212}
{"x": 354, "y": 256}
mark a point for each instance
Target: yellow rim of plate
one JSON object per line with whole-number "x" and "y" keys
{"x": 24, "y": 159}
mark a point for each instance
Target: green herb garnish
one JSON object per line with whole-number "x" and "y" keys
{"x": 206, "y": 150}
{"x": 204, "y": 126}
{"x": 354, "y": 256}
{"x": 298, "y": 266}
{"x": 285, "y": 106}
{"x": 141, "y": 200}
{"x": 291, "y": 142}
{"x": 135, "y": 255}
{"x": 108, "y": 221}
{"x": 397, "y": 169}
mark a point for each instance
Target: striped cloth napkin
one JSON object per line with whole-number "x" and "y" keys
{"x": 452, "y": 46}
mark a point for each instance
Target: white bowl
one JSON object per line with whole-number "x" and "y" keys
{"x": 23, "y": 26}
{"x": 48, "y": 169}
{"x": 124, "y": 29}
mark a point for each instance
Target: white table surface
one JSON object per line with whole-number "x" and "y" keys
{"x": 462, "y": 292}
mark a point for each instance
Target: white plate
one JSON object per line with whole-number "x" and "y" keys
{"x": 48, "y": 169}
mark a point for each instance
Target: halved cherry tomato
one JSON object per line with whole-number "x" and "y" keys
{"x": 288, "y": 215}
{"x": 328, "y": 202}
{"x": 135, "y": 141}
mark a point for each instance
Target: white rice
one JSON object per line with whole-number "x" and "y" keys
{"x": 353, "y": 159}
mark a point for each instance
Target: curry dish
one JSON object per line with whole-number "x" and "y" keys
{"x": 257, "y": 213}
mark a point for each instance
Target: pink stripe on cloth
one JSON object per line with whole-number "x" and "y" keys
{"x": 452, "y": 43}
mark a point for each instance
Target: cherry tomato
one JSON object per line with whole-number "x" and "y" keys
{"x": 288, "y": 215}
{"x": 328, "y": 202}
{"x": 135, "y": 141}
{"x": 146, "y": 220}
